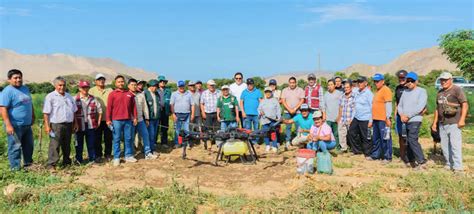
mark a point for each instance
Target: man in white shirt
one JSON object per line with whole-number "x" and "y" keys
{"x": 237, "y": 88}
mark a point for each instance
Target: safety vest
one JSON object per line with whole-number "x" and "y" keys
{"x": 312, "y": 98}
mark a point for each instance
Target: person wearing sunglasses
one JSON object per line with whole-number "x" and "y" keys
{"x": 236, "y": 90}
{"x": 401, "y": 74}
{"x": 321, "y": 136}
{"x": 358, "y": 130}
{"x": 411, "y": 107}
{"x": 450, "y": 116}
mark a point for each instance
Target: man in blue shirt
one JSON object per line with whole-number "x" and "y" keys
{"x": 17, "y": 113}
{"x": 182, "y": 110}
{"x": 358, "y": 130}
{"x": 304, "y": 123}
{"x": 249, "y": 101}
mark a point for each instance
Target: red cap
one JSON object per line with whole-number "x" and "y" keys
{"x": 84, "y": 84}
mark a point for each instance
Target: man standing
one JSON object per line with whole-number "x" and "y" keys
{"x": 249, "y": 102}
{"x": 345, "y": 115}
{"x": 154, "y": 112}
{"x": 165, "y": 96}
{"x": 450, "y": 115}
{"x": 401, "y": 74}
{"x": 227, "y": 109}
{"x": 314, "y": 95}
{"x": 339, "y": 84}
{"x": 209, "y": 107}
{"x": 292, "y": 98}
{"x": 196, "y": 125}
{"x": 237, "y": 88}
{"x": 58, "y": 112}
{"x": 331, "y": 107}
{"x": 122, "y": 116}
{"x": 275, "y": 92}
{"x": 88, "y": 115}
{"x": 362, "y": 121}
{"x": 103, "y": 133}
{"x": 199, "y": 87}
{"x": 18, "y": 116}
{"x": 411, "y": 106}
{"x": 182, "y": 110}
{"x": 143, "y": 119}
{"x": 381, "y": 116}
{"x": 141, "y": 86}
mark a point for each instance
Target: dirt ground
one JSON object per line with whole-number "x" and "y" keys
{"x": 272, "y": 176}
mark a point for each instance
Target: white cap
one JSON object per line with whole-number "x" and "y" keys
{"x": 317, "y": 113}
{"x": 98, "y": 76}
{"x": 211, "y": 82}
{"x": 224, "y": 87}
{"x": 267, "y": 89}
{"x": 446, "y": 75}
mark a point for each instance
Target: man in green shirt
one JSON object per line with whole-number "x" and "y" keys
{"x": 101, "y": 95}
{"x": 227, "y": 109}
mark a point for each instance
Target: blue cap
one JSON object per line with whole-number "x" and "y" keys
{"x": 412, "y": 75}
{"x": 378, "y": 77}
{"x": 272, "y": 82}
{"x": 181, "y": 83}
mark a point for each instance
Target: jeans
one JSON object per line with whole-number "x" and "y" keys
{"x": 323, "y": 146}
{"x": 266, "y": 139}
{"x": 90, "y": 137}
{"x": 228, "y": 125}
{"x": 289, "y": 126}
{"x": 103, "y": 130}
{"x": 249, "y": 121}
{"x": 451, "y": 144}
{"x": 335, "y": 132}
{"x": 143, "y": 132}
{"x": 414, "y": 150}
{"x": 124, "y": 127}
{"x": 381, "y": 146}
{"x": 357, "y": 137}
{"x": 25, "y": 147}
{"x": 153, "y": 133}
{"x": 182, "y": 123}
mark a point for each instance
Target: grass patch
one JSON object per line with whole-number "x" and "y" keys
{"x": 343, "y": 164}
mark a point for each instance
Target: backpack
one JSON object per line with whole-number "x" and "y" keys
{"x": 324, "y": 164}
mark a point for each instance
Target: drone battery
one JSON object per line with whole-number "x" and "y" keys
{"x": 235, "y": 148}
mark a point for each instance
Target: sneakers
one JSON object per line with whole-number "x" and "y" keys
{"x": 385, "y": 162}
{"x": 369, "y": 158}
{"x": 446, "y": 167}
{"x": 267, "y": 148}
{"x": 116, "y": 162}
{"x": 275, "y": 150}
{"x": 130, "y": 160}
{"x": 150, "y": 156}
{"x": 287, "y": 145}
{"x": 156, "y": 154}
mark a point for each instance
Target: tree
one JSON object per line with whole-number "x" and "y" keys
{"x": 340, "y": 74}
{"x": 301, "y": 83}
{"x": 354, "y": 75}
{"x": 259, "y": 82}
{"x": 459, "y": 47}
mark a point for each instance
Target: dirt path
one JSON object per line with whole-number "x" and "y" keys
{"x": 273, "y": 175}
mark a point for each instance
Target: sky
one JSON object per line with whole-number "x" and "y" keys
{"x": 202, "y": 39}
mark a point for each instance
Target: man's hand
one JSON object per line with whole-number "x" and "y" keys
{"x": 388, "y": 122}
{"x": 174, "y": 117}
{"x": 135, "y": 122}
{"x": 244, "y": 115}
{"x": 237, "y": 119}
{"x": 109, "y": 123}
{"x": 147, "y": 122}
{"x": 10, "y": 129}
{"x": 404, "y": 118}
{"x": 434, "y": 127}
{"x": 218, "y": 118}
{"x": 461, "y": 123}
{"x": 203, "y": 116}
{"x": 315, "y": 138}
{"x": 370, "y": 125}
{"x": 75, "y": 127}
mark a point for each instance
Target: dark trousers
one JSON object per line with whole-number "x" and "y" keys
{"x": 381, "y": 146}
{"x": 211, "y": 122}
{"x": 414, "y": 150}
{"x": 241, "y": 120}
{"x": 357, "y": 137}
{"x": 104, "y": 134}
{"x": 61, "y": 140}
{"x": 163, "y": 127}
{"x": 335, "y": 132}
{"x": 90, "y": 136}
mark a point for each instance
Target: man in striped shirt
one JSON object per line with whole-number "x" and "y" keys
{"x": 346, "y": 113}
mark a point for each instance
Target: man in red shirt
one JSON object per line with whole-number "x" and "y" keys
{"x": 121, "y": 117}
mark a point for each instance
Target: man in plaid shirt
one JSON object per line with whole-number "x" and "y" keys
{"x": 209, "y": 107}
{"x": 346, "y": 114}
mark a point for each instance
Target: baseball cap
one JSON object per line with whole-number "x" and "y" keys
{"x": 378, "y": 77}
{"x": 317, "y": 114}
{"x": 141, "y": 82}
{"x": 412, "y": 75}
{"x": 304, "y": 106}
{"x": 83, "y": 84}
{"x": 267, "y": 89}
{"x": 272, "y": 82}
{"x": 98, "y": 76}
{"x": 198, "y": 82}
{"x": 211, "y": 82}
{"x": 181, "y": 83}
{"x": 362, "y": 79}
{"x": 311, "y": 76}
{"x": 446, "y": 75}
{"x": 191, "y": 83}
{"x": 153, "y": 82}
{"x": 250, "y": 81}
{"x": 224, "y": 87}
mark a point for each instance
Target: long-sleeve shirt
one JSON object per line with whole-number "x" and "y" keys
{"x": 121, "y": 105}
{"x": 270, "y": 109}
{"x": 363, "y": 105}
{"x": 142, "y": 107}
{"x": 412, "y": 104}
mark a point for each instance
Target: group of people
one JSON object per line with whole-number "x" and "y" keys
{"x": 347, "y": 116}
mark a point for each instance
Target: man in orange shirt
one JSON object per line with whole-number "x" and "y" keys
{"x": 381, "y": 115}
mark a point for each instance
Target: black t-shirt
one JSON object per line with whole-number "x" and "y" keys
{"x": 398, "y": 92}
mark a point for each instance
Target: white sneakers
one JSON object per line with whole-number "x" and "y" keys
{"x": 151, "y": 156}
{"x": 116, "y": 162}
{"x": 130, "y": 160}
{"x": 267, "y": 148}
{"x": 275, "y": 149}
